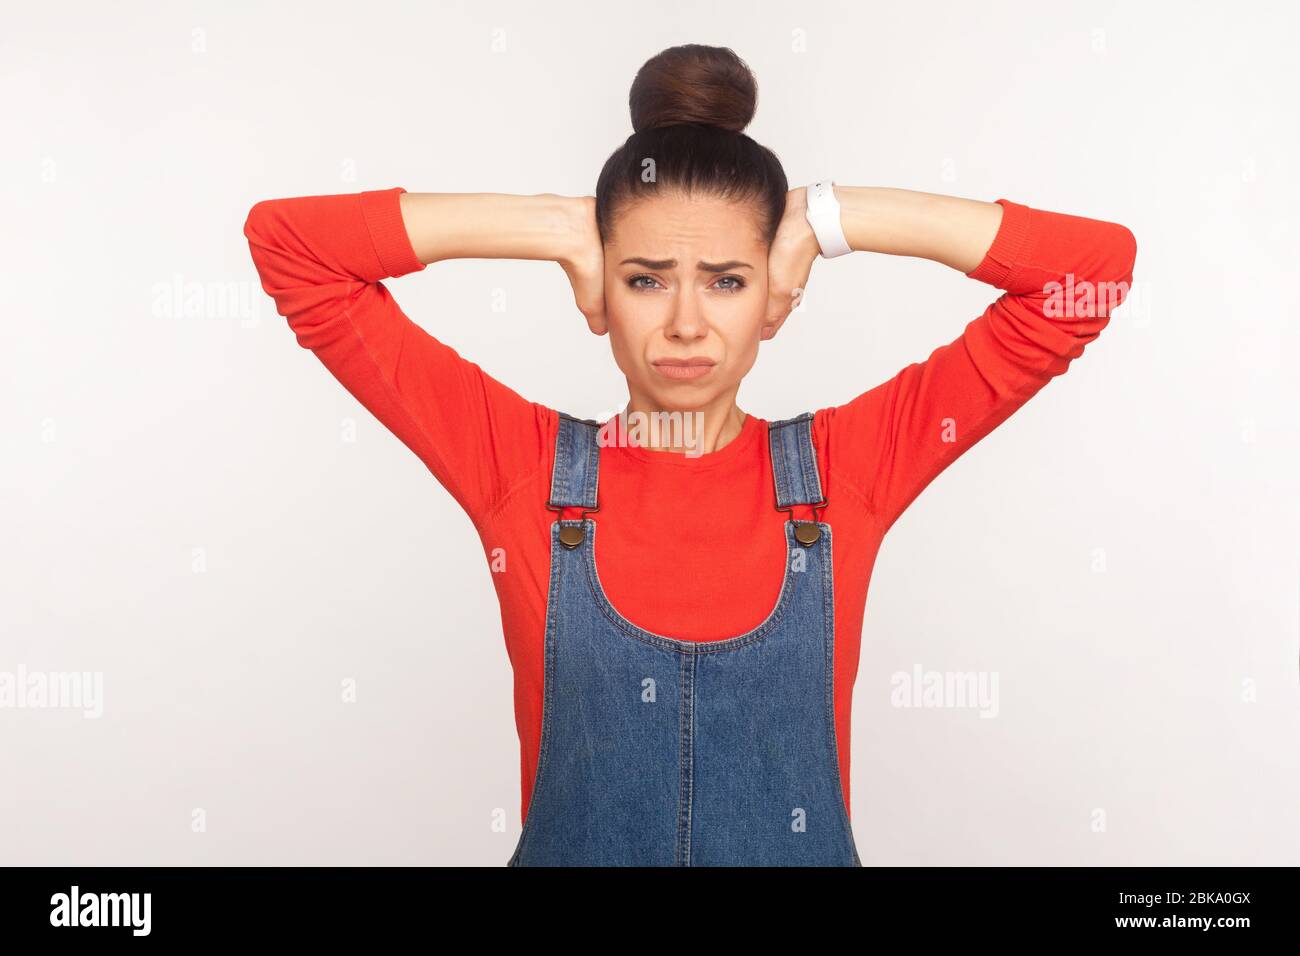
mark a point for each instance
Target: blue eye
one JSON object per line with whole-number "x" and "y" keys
{"x": 738, "y": 283}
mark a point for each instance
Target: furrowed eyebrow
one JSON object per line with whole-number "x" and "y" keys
{"x": 672, "y": 264}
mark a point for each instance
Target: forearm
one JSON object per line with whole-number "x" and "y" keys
{"x": 1062, "y": 276}
{"x": 322, "y": 259}
{"x": 903, "y": 222}
{"x": 490, "y": 225}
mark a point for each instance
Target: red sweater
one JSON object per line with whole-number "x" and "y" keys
{"x": 322, "y": 258}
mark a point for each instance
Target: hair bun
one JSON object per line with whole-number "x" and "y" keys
{"x": 708, "y": 85}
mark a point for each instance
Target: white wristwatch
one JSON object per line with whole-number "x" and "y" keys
{"x": 824, "y": 217}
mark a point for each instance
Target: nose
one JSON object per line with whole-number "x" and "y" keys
{"x": 687, "y": 323}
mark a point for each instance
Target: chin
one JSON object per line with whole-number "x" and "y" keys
{"x": 685, "y": 397}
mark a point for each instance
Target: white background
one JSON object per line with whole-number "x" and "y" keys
{"x": 1121, "y": 553}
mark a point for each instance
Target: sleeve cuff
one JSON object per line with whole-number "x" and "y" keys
{"x": 1003, "y": 256}
{"x": 382, "y": 211}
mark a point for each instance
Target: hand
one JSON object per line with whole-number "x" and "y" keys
{"x": 789, "y": 261}
{"x": 583, "y": 261}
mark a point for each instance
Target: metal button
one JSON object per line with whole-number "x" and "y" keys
{"x": 571, "y": 536}
{"x": 807, "y": 533}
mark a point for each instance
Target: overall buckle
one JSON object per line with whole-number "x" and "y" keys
{"x": 571, "y": 536}
{"x": 806, "y": 532}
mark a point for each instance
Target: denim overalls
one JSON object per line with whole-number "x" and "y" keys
{"x": 661, "y": 752}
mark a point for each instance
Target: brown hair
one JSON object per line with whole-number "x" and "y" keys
{"x": 690, "y": 105}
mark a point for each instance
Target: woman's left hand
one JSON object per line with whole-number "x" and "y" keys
{"x": 789, "y": 262}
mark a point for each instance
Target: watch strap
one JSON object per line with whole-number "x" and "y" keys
{"x": 824, "y": 217}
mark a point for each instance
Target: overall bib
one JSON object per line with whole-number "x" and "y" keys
{"x": 663, "y": 752}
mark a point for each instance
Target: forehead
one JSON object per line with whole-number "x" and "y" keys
{"x": 654, "y": 224}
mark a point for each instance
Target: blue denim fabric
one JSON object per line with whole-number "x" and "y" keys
{"x": 662, "y": 752}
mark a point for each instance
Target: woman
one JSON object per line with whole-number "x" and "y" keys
{"x": 682, "y": 692}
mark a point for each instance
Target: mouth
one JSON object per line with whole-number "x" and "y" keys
{"x": 683, "y": 368}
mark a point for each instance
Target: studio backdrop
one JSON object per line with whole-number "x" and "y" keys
{"x": 285, "y": 640}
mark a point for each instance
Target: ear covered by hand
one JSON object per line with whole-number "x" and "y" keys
{"x": 583, "y": 261}
{"x": 789, "y": 261}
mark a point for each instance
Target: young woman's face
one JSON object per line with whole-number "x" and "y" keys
{"x": 685, "y": 298}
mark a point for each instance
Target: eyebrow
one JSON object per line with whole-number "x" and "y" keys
{"x": 701, "y": 265}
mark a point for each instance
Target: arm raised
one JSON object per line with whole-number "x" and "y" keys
{"x": 1062, "y": 276}
{"x": 323, "y": 258}
{"x": 501, "y": 226}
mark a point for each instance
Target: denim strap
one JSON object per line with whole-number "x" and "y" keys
{"x": 794, "y": 462}
{"x": 577, "y": 463}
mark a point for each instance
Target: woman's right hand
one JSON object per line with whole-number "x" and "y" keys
{"x": 583, "y": 261}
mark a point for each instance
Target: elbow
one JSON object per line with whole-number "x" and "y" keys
{"x": 1114, "y": 271}
{"x": 261, "y": 230}
{"x": 271, "y": 223}
{"x": 1126, "y": 260}
{"x": 267, "y": 232}
{"x": 1125, "y": 251}
{"x": 256, "y": 221}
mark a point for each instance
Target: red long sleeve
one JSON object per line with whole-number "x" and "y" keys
{"x": 897, "y": 437}
{"x": 322, "y": 258}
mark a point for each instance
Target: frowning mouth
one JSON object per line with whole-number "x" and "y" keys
{"x": 683, "y": 368}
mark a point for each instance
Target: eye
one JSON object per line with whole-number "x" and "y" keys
{"x": 736, "y": 283}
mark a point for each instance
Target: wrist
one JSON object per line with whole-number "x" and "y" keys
{"x": 825, "y": 218}
{"x": 796, "y": 232}
{"x": 574, "y": 225}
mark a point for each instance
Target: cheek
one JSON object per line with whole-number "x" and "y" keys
{"x": 742, "y": 355}
{"x": 632, "y": 319}
{"x": 743, "y": 333}
{"x": 626, "y": 335}
{"x": 741, "y": 324}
